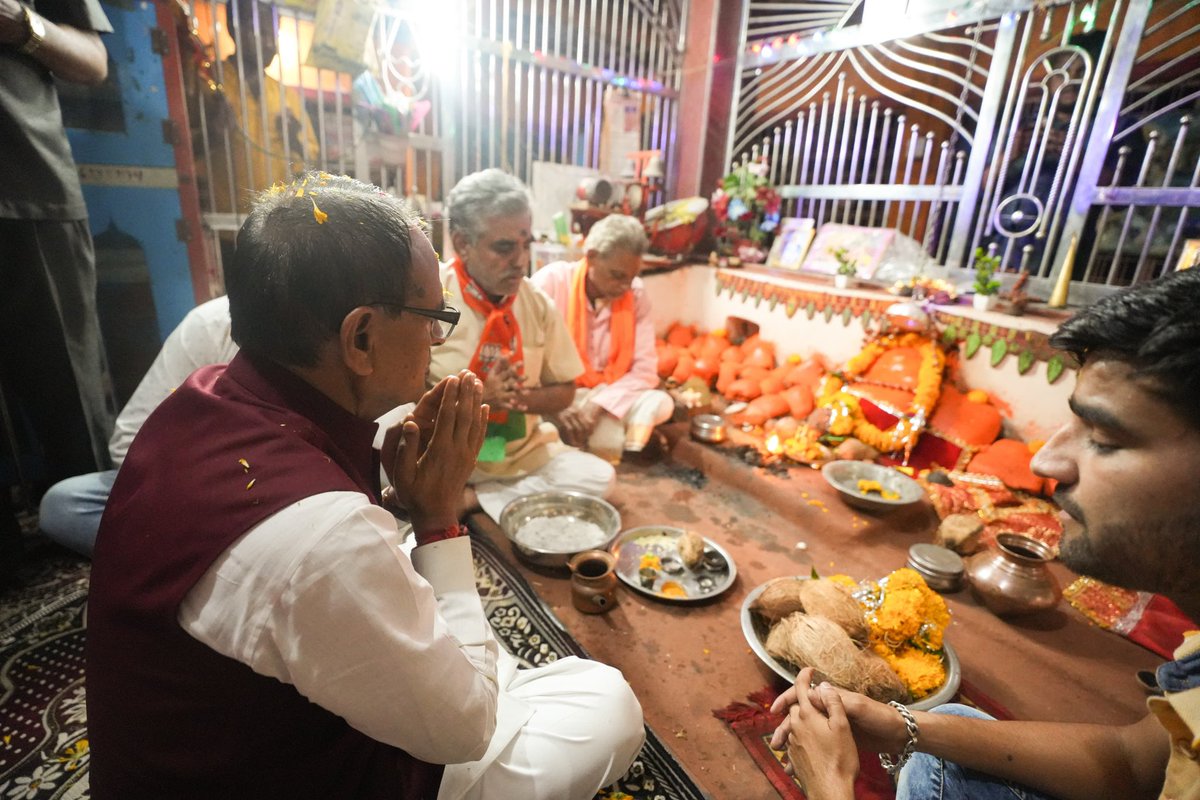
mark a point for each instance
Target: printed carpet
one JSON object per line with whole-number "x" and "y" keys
{"x": 753, "y": 724}
{"x": 43, "y": 718}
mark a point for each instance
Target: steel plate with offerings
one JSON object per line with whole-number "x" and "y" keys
{"x": 673, "y": 564}
{"x": 771, "y": 606}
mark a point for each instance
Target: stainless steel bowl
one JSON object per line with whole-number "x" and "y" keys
{"x": 708, "y": 428}
{"x": 755, "y": 632}
{"x": 845, "y": 475}
{"x": 566, "y": 506}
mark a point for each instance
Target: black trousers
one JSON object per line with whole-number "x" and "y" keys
{"x": 53, "y": 368}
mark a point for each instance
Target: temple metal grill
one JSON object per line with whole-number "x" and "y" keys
{"x": 1042, "y": 131}
{"x": 489, "y": 83}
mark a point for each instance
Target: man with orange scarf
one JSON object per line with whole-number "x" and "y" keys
{"x": 510, "y": 335}
{"x": 617, "y": 402}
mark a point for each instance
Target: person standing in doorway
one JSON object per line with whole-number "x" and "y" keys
{"x": 53, "y": 371}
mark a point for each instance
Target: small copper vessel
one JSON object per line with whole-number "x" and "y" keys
{"x": 1011, "y": 578}
{"x": 593, "y": 581}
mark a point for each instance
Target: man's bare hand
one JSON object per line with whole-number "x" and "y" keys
{"x": 503, "y": 387}
{"x": 877, "y": 726}
{"x": 820, "y": 747}
{"x": 576, "y": 423}
{"x": 429, "y": 457}
{"x": 12, "y": 23}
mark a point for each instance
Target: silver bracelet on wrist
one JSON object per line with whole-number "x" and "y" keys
{"x": 910, "y": 725}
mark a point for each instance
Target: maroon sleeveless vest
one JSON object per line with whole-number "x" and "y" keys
{"x": 167, "y": 715}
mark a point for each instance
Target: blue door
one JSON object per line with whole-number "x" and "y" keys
{"x": 126, "y": 144}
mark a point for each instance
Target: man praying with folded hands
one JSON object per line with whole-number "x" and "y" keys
{"x": 257, "y": 625}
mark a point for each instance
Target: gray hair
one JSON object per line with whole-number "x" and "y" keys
{"x": 616, "y": 232}
{"x": 482, "y": 196}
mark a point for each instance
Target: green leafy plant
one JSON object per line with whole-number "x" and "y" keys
{"x": 986, "y": 266}
{"x": 746, "y": 205}
{"x": 846, "y": 265}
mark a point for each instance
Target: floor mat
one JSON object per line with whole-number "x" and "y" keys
{"x": 753, "y": 724}
{"x": 43, "y": 719}
{"x": 531, "y": 632}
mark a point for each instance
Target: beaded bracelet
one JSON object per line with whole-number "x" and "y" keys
{"x": 910, "y": 725}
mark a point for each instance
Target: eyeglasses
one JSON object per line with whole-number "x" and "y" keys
{"x": 444, "y": 319}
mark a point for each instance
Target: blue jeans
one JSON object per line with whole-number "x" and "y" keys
{"x": 925, "y": 777}
{"x": 71, "y": 510}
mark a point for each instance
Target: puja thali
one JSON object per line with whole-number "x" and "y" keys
{"x": 649, "y": 561}
{"x": 755, "y": 631}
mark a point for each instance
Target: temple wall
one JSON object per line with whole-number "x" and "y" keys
{"x": 1033, "y": 405}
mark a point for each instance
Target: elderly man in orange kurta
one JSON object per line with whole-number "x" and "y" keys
{"x": 617, "y": 402}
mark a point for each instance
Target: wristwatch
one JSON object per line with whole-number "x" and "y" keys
{"x": 36, "y": 28}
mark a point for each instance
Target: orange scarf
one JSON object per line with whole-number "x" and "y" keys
{"x": 621, "y": 330}
{"x": 501, "y": 334}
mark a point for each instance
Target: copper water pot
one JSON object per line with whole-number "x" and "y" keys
{"x": 1012, "y": 578}
{"x": 593, "y": 581}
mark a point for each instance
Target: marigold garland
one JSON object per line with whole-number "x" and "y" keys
{"x": 906, "y": 621}
{"x": 922, "y": 672}
{"x": 846, "y": 417}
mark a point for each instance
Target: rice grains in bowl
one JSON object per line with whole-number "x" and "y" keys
{"x": 547, "y": 528}
{"x": 560, "y": 534}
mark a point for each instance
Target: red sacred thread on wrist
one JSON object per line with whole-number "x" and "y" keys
{"x": 452, "y": 532}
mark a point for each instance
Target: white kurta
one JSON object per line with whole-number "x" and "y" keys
{"x": 538, "y": 462}
{"x": 619, "y": 396}
{"x": 548, "y": 355}
{"x": 323, "y": 596}
{"x": 633, "y": 405}
{"x": 202, "y": 338}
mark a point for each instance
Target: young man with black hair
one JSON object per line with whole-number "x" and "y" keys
{"x": 1126, "y": 466}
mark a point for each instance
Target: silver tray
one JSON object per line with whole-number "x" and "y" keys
{"x": 710, "y": 578}
{"x": 755, "y": 632}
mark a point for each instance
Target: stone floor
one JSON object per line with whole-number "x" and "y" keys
{"x": 686, "y": 660}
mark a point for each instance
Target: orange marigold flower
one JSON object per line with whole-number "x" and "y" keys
{"x": 922, "y": 672}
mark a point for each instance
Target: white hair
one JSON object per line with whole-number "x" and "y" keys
{"x": 616, "y": 232}
{"x": 483, "y": 196}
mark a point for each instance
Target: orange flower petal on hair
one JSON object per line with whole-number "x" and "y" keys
{"x": 319, "y": 215}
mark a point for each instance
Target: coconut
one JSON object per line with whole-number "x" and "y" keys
{"x": 804, "y": 640}
{"x": 854, "y": 450}
{"x": 778, "y": 600}
{"x": 832, "y": 600}
{"x": 691, "y": 548}
{"x": 880, "y": 681}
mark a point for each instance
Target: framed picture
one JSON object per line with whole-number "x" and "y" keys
{"x": 864, "y": 246}
{"x": 1190, "y": 255}
{"x": 791, "y": 243}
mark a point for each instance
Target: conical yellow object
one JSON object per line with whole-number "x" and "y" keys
{"x": 1058, "y": 297}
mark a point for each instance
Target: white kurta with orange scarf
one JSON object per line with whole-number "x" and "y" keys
{"x": 632, "y": 402}
{"x": 539, "y": 461}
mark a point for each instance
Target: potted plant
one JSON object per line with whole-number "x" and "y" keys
{"x": 986, "y": 285}
{"x": 847, "y": 267}
{"x": 1018, "y": 298}
{"x": 747, "y": 208}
